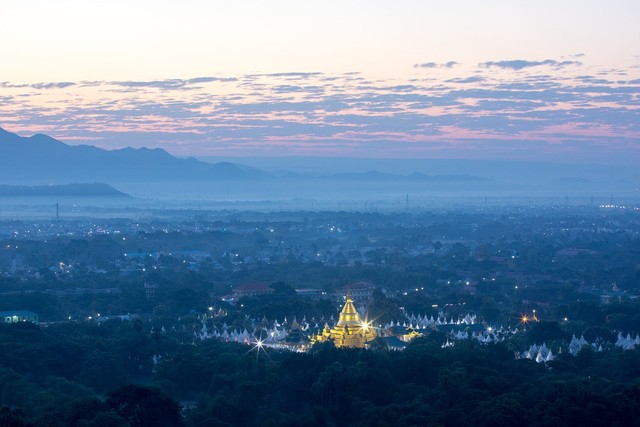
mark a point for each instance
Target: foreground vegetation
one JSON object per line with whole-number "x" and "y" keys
{"x": 80, "y": 374}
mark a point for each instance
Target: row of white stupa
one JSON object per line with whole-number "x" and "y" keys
{"x": 488, "y": 336}
{"x": 278, "y": 331}
{"x": 424, "y": 322}
{"x": 542, "y": 353}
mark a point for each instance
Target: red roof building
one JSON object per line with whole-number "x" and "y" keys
{"x": 252, "y": 290}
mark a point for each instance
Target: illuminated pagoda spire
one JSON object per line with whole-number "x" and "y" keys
{"x": 350, "y": 331}
{"x": 349, "y": 315}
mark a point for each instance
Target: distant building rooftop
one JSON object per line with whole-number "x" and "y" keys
{"x": 361, "y": 291}
{"x": 252, "y": 289}
{"x": 16, "y": 316}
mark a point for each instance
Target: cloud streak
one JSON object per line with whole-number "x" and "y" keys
{"x": 519, "y": 64}
{"x": 449, "y": 64}
{"x": 49, "y": 85}
{"x": 318, "y": 113}
{"x": 171, "y": 83}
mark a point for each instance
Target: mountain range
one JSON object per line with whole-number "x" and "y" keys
{"x": 65, "y": 190}
{"x": 154, "y": 173}
{"x": 42, "y": 159}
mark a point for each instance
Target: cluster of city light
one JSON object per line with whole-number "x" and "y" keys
{"x": 610, "y": 206}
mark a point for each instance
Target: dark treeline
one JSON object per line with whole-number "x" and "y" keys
{"x": 80, "y": 375}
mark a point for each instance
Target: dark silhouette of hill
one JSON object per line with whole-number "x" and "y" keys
{"x": 562, "y": 173}
{"x": 66, "y": 190}
{"x": 40, "y": 158}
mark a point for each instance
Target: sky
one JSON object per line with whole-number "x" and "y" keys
{"x": 511, "y": 79}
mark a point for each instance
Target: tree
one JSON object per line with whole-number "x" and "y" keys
{"x": 144, "y": 406}
{"x": 502, "y": 411}
{"x": 283, "y": 289}
{"x": 12, "y": 418}
{"x": 546, "y": 332}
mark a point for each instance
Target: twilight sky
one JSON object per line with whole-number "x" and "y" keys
{"x": 539, "y": 80}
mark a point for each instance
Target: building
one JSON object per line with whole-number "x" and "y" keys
{"x": 350, "y": 331}
{"x": 361, "y": 292}
{"x": 252, "y": 290}
{"x": 18, "y": 316}
{"x": 312, "y": 294}
{"x": 614, "y": 295}
{"x": 150, "y": 290}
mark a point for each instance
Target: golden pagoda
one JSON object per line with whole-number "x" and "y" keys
{"x": 350, "y": 331}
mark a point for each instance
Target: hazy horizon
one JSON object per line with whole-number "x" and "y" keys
{"x": 155, "y": 178}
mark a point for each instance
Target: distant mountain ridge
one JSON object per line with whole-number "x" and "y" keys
{"x": 65, "y": 190}
{"x": 40, "y": 158}
{"x": 413, "y": 177}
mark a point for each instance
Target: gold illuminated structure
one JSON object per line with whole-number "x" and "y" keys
{"x": 350, "y": 331}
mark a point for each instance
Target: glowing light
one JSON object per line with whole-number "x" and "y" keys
{"x": 524, "y": 319}
{"x": 364, "y": 326}
{"x": 258, "y": 345}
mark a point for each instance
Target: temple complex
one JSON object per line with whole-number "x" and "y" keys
{"x": 350, "y": 331}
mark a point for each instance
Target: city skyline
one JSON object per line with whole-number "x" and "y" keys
{"x": 496, "y": 80}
